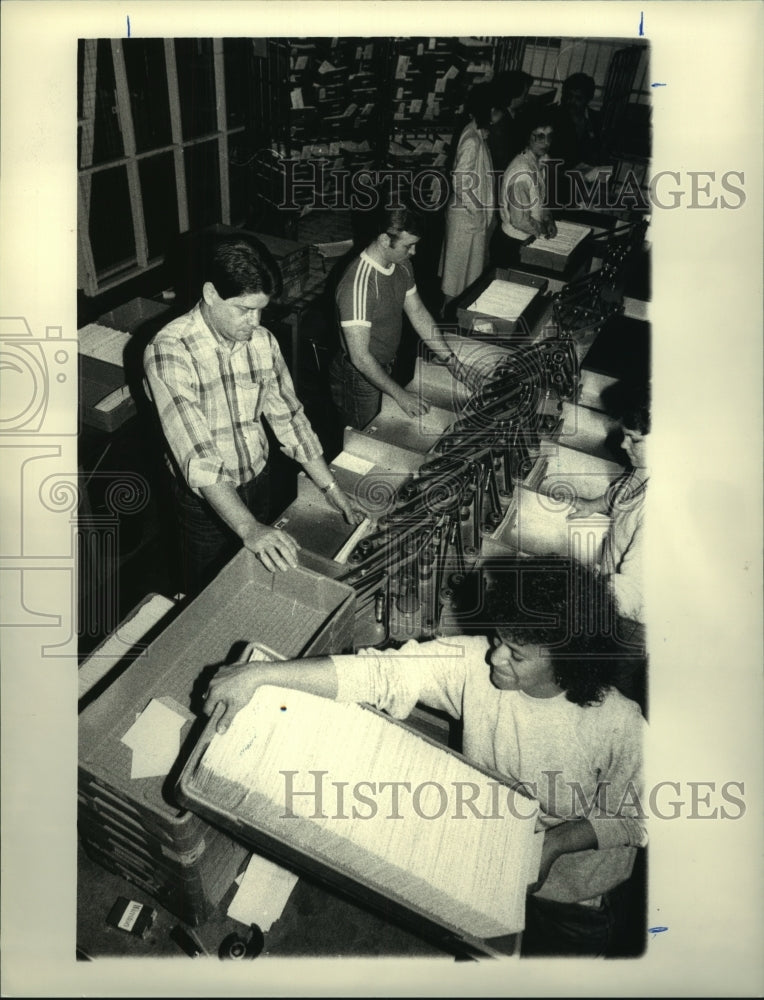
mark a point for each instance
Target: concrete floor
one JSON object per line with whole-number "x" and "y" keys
{"x": 315, "y": 923}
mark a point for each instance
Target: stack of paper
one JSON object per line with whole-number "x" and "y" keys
{"x": 103, "y": 343}
{"x": 504, "y": 299}
{"x": 569, "y": 235}
{"x": 435, "y": 855}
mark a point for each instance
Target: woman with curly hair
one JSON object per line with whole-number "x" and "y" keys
{"x": 533, "y": 695}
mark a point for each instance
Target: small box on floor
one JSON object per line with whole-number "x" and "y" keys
{"x": 131, "y": 916}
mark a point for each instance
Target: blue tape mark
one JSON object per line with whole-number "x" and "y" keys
{"x": 656, "y": 930}
{"x": 657, "y": 84}
{"x": 641, "y": 24}
{"x": 128, "y": 25}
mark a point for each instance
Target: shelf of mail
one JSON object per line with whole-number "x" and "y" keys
{"x": 586, "y": 430}
{"x": 135, "y": 737}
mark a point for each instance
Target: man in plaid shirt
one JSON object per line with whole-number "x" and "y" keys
{"x": 213, "y": 373}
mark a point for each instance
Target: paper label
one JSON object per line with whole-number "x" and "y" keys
{"x": 131, "y": 914}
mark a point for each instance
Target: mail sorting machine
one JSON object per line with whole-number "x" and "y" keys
{"x": 489, "y": 470}
{"x": 432, "y": 510}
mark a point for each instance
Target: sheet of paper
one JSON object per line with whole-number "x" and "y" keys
{"x": 569, "y": 235}
{"x": 504, "y": 299}
{"x": 352, "y": 463}
{"x": 263, "y": 892}
{"x": 154, "y": 738}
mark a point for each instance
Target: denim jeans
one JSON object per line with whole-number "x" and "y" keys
{"x": 206, "y": 542}
{"x": 355, "y": 398}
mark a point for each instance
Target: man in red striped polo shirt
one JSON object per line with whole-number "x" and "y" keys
{"x": 372, "y": 295}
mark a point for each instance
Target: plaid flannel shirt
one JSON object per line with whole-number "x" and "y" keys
{"x": 210, "y": 398}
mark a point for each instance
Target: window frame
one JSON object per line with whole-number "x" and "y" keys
{"x": 92, "y": 280}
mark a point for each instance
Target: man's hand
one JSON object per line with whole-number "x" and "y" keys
{"x": 550, "y": 228}
{"x": 411, "y": 404}
{"x": 274, "y": 548}
{"x": 341, "y": 502}
{"x": 233, "y": 686}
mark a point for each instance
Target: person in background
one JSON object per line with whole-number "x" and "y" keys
{"x": 523, "y": 203}
{"x": 375, "y": 291}
{"x": 533, "y": 692}
{"x": 470, "y": 212}
{"x": 621, "y": 563}
{"x": 506, "y": 135}
{"x": 577, "y": 140}
{"x": 213, "y": 373}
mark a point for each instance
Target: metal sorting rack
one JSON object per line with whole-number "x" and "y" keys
{"x": 435, "y": 500}
{"x": 514, "y": 432}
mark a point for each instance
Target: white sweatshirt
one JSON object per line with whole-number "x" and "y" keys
{"x": 597, "y": 751}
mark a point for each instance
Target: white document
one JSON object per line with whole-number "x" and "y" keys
{"x": 505, "y": 299}
{"x": 352, "y": 463}
{"x": 264, "y": 889}
{"x": 154, "y": 738}
{"x": 569, "y": 235}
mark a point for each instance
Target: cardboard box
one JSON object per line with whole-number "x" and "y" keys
{"x": 482, "y": 325}
{"x": 296, "y": 612}
{"x": 418, "y": 434}
{"x": 133, "y": 315}
{"x": 536, "y": 254}
{"x": 105, "y": 401}
{"x": 537, "y": 525}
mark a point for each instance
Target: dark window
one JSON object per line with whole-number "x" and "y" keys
{"x": 160, "y": 202}
{"x": 196, "y": 83}
{"x": 239, "y": 174}
{"x": 203, "y": 184}
{"x": 107, "y": 139}
{"x": 111, "y": 222}
{"x": 149, "y": 100}
{"x": 236, "y": 53}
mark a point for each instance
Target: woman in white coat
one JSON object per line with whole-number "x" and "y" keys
{"x": 471, "y": 209}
